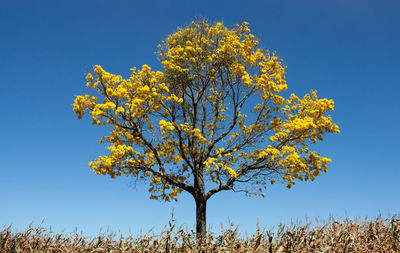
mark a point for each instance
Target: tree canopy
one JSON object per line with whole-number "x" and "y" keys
{"x": 215, "y": 118}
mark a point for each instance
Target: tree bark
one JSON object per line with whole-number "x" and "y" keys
{"x": 201, "y": 205}
{"x": 201, "y": 201}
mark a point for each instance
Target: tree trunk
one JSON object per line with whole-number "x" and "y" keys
{"x": 201, "y": 204}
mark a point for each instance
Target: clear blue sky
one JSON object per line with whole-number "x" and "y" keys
{"x": 348, "y": 50}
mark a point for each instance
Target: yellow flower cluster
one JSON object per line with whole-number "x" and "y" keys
{"x": 106, "y": 164}
{"x": 166, "y": 126}
{"x": 217, "y": 165}
{"x": 200, "y": 137}
{"x": 305, "y": 116}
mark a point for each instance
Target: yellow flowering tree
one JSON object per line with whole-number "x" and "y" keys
{"x": 214, "y": 119}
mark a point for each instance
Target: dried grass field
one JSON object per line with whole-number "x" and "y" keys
{"x": 377, "y": 235}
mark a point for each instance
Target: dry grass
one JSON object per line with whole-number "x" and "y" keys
{"x": 378, "y": 235}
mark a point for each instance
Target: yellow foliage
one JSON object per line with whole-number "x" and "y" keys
{"x": 212, "y": 76}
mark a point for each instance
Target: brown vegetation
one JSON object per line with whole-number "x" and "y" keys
{"x": 378, "y": 235}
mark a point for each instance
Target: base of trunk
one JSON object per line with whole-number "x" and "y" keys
{"x": 201, "y": 205}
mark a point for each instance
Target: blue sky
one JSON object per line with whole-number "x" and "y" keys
{"x": 347, "y": 50}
